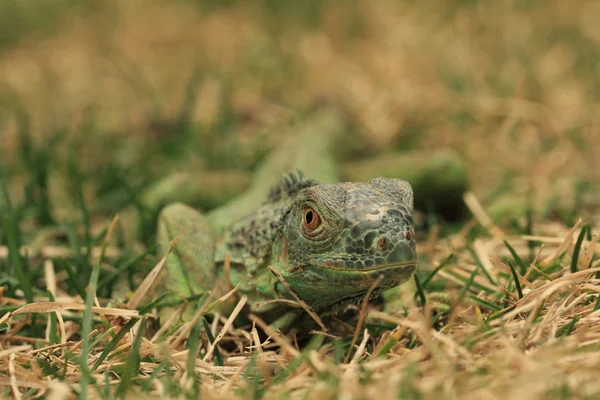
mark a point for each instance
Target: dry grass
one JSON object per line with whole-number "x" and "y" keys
{"x": 489, "y": 340}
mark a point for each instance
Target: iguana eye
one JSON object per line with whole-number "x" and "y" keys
{"x": 311, "y": 219}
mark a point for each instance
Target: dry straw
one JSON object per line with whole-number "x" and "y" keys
{"x": 542, "y": 337}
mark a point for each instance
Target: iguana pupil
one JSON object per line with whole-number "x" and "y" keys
{"x": 311, "y": 219}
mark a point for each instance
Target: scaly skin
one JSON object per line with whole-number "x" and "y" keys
{"x": 330, "y": 242}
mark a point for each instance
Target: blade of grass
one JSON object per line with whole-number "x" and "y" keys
{"x": 106, "y": 385}
{"x": 73, "y": 279}
{"x": 466, "y": 287}
{"x": 211, "y": 339}
{"x": 178, "y": 302}
{"x": 16, "y": 259}
{"x": 388, "y": 346}
{"x": 436, "y": 270}
{"x": 480, "y": 265}
{"x": 516, "y": 278}
{"x": 53, "y": 322}
{"x": 82, "y": 263}
{"x": 86, "y": 325}
{"x": 101, "y": 337}
{"x": 126, "y": 265}
{"x": 86, "y": 328}
{"x": 474, "y": 284}
{"x": 193, "y": 344}
{"x": 484, "y": 303}
{"x": 568, "y": 329}
{"x": 518, "y": 260}
{"x": 77, "y": 178}
{"x": 500, "y": 313}
{"x": 147, "y": 385}
{"x": 420, "y": 291}
{"x": 146, "y": 308}
{"x": 315, "y": 343}
{"x": 577, "y": 249}
{"x": 132, "y": 365}
{"x": 113, "y": 343}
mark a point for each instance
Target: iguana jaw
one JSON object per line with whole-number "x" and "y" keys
{"x": 322, "y": 288}
{"x": 379, "y": 268}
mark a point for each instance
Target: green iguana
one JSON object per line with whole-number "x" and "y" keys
{"x": 330, "y": 242}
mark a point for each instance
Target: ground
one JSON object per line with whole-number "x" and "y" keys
{"x": 100, "y": 101}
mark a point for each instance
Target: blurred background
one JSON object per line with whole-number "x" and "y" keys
{"x": 99, "y": 101}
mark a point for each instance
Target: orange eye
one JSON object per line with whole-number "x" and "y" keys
{"x": 311, "y": 219}
{"x": 407, "y": 235}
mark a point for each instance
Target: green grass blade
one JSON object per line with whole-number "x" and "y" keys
{"x": 73, "y": 279}
{"x": 53, "y": 322}
{"x": 516, "y": 278}
{"x": 484, "y": 303}
{"x": 178, "y": 302}
{"x": 433, "y": 273}
{"x": 100, "y": 338}
{"x": 113, "y": 343}
{"x": 86, "y": 328}
{"x": 480, "y": 266}
{"x": 420, "y": 291}
{"x": 108, "y": 279}
{"x": 567, "y": 329}
{"x": 466, "y": 287}
{"x": 211, "y": 338}
{"x": 146, "y": 308}
{"x": 163, "y": 366}
{"x": 516, "y": 257}
{"x": 476, "y": 285}
{"x": 106, "y": 385}
{"x": 387, "y": 346}
{"x": 132, "y": 365}
{"x": 315, "y": 343}
{"x": 15, "y": 257}
{"x": 577, "y": 249}
{"x": 83, "y": 268}
{"x": 193, "y": 344}
{"x": 77, "y": 178}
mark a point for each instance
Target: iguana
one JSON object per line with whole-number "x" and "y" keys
{"x": 329, "y": 241}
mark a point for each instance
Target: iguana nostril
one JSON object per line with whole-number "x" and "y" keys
{"x": 381, "y": 242}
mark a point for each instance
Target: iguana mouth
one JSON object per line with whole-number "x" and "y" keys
{"x": 367, "y": 270}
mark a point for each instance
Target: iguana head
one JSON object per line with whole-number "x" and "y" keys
{"x": 337, "y": 239}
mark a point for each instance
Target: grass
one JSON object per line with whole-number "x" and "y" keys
{"x": 99, "y": 119}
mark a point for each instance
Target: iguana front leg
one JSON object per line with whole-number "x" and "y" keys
{"x": 190, "y": 266}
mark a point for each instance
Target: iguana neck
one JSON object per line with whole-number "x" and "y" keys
{"x": 248, "y": 241}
